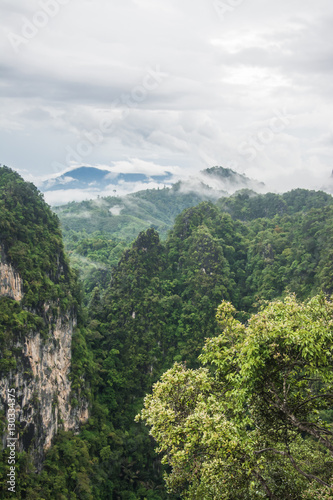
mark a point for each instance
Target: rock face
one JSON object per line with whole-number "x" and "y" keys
{"x": 10, "y": 282}
{"x": 41, "y": 378}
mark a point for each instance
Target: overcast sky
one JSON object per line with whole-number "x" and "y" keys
{"x": 180, "y": 85}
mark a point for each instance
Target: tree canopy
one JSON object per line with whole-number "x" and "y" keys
{"x": 255, "y": 421}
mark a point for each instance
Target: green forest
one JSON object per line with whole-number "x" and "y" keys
{"x": 204, "y": 342}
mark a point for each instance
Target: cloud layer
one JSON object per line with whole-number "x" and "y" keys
{"x": 188, "y": 84}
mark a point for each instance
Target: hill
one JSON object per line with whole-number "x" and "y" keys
{"x": 97, "y": 231}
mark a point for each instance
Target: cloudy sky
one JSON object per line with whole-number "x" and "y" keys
{"x": 178, "y": 85}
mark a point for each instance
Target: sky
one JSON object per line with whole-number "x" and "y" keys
{"x": 174, "y": 85}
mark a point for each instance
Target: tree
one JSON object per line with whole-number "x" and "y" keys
{"x": 254, "y": 423}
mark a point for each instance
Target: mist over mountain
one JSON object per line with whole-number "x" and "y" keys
{"x": 225, "y": 180}
{"x": 84, "y": 183}
{"x": 96, "y": 180}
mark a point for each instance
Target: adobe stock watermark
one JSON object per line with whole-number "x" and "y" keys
{"x": 258, "y": 141}
{"x": 11, "y": 440}
{"x": 90, "y": 139}
{"x": 31, "y": 27}
{"x": 222, "y": 8}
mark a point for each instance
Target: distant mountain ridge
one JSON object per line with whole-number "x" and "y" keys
{"x": 85, "y": 177}
{"x": 90, "y": 182}
{"x": 229, "y": 180}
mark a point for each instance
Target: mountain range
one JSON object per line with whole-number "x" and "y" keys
{"x": 90, "y": 182}
{"x": 99, "y": 179}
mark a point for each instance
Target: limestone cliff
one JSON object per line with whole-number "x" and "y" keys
{"x": 10, "y": 281}
{"x": 41, "y": 377}
{"x": 39, "y": 302}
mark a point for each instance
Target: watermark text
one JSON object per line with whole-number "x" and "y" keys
{"x": 11, "y": 440}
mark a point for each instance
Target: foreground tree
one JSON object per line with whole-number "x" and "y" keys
{"x": 256, "y": 422}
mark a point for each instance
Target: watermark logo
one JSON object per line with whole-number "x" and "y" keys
{"x": 11, "y": 440}
{"x": 31, "y": 27}
{"x": 259, "y": 140}
{"x": 125, "y": 102}
{"x": 224, "y": 8}
{"x": 256, "y": 142}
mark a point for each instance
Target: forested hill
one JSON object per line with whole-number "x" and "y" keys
{"x": 31, "y": 239}
{"x": 96, "y": 232}
{"x": 246, "y": 205}
{"x": 39, "y": 310}
{"x": 157, "y": 306}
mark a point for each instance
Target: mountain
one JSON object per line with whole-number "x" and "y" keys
{"x": 97, "y": 179}
{"x": 91, "y": 182}
{"x": 228, "y": 180}
{"x": 115, "y": 221}
{"x": 97, "y": 231}
{"x": 123, "y": 217}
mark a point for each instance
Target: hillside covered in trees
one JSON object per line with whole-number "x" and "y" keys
{"x": 156, "y": 306}
{"x": 96, "y": 232}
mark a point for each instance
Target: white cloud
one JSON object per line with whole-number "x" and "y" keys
{"x": 116, "y": 209}
{"x": 62, "y": 196}
{"x": 137, "y": 165}
{"x": 222, "y": 80}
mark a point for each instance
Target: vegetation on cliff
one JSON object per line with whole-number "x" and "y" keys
{"x": 32, "y": 254}
{"x": 31, "y": 238}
